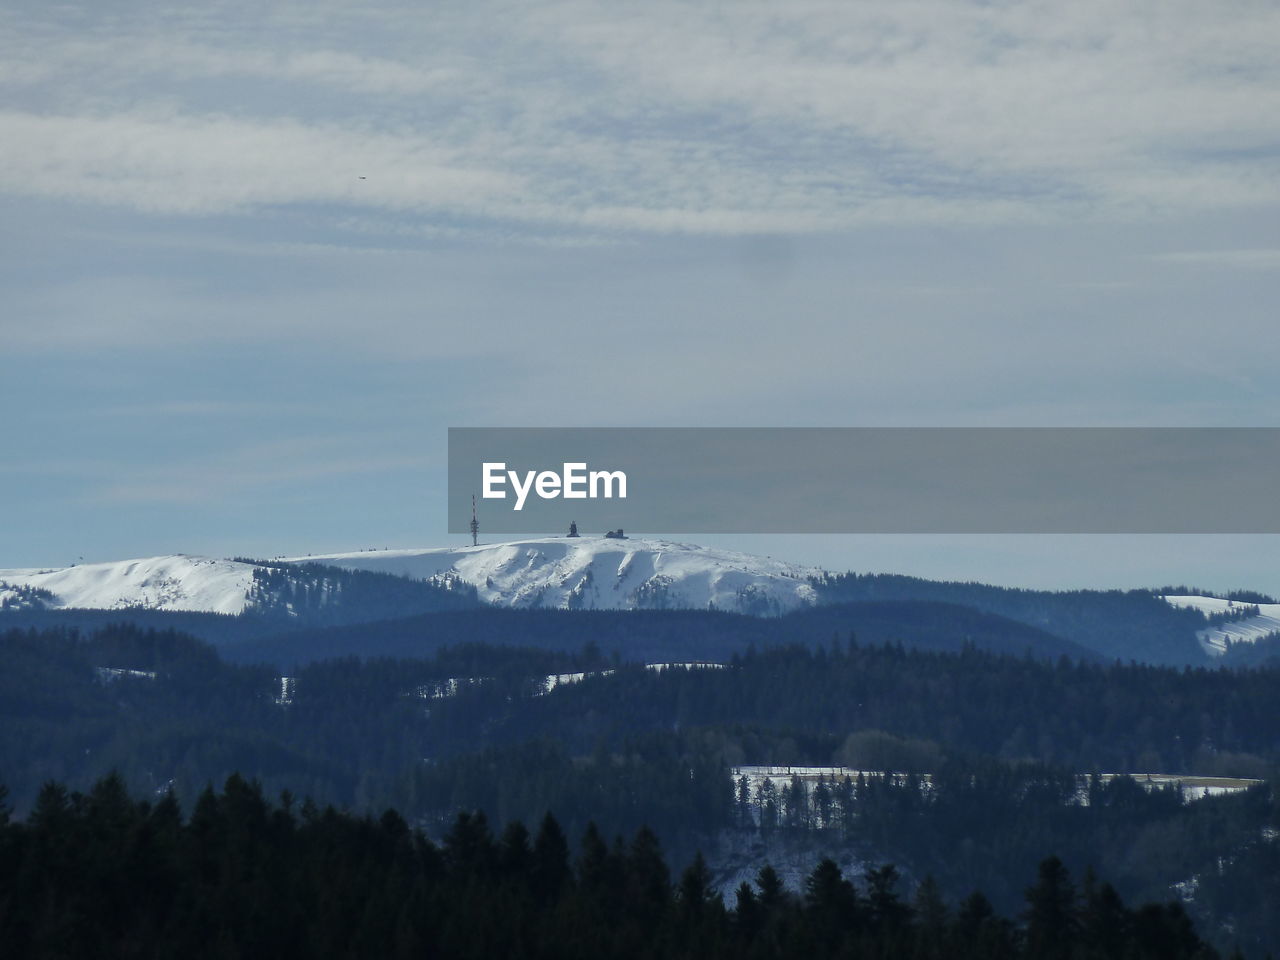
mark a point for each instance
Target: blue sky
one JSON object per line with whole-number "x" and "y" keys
{"x": 216, "y": 337}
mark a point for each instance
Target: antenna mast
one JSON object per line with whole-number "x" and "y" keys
{"x": 475, "y": 524}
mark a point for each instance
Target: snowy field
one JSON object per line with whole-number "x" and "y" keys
{"x": 177, "y": 582}
{"x": 1193, "y": 787}
{"x": 600, "y": 573}
{"x": 1214, "y": 639}
{"x": 451, "y": 686}
{"x": 556, "y": 572}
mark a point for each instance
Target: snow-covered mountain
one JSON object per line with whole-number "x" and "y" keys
{"x": 554, "y": 572}
{"x": 177, "y": 582}
{"x": 602, "y": 573}
{"x": 1256, "y": 620}
{"x": 578, "y": 573}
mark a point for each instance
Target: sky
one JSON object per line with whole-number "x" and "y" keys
{"x": 257, "y": 258}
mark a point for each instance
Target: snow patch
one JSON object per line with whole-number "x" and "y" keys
{"x": 177, "y": 582}
{"x": 584, "y": 573}
{"x": 112, "y": 674}
{"x": 1214, "y": 639}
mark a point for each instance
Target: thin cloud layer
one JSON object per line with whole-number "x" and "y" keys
{"x": 664, "y": 118}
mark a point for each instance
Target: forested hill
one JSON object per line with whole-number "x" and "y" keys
{"x": 596, "y": 575}
{"x": 173, "y": 710}
{"x": 104, "y": 875}
{"x": 653, "y": 635}
{"x": 1124, "y": 624}
{"x": 479, "y": 728}
{"x": 657, "y": 635}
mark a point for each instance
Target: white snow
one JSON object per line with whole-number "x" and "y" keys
{"x": 601, "y": 573}
{"x": 177, "y": 582}
{"x": 451, "y": 686}
{"x": 112, "y": 674}
{"x": 579, "y": 573}
{"x": 553, "y": 680}
{"x": 685, "y": 665}
{"x": 1192, "y": 787}
{"x": 288, "y": 686}
{"x": 552, "y": 572}
{"x": 811, "y": 776}
{"x": 1214, "y": 639}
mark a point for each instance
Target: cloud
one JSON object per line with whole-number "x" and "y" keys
{"x": 1257, "y": 259}
{"x": 670, "y": 117}
{"x": 199, "y": 165}
{"x": 251, "y": 469}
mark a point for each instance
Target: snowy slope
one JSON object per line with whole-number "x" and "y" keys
{"x": 582, "y": 573}
{"x": 1214, "y": 638}
{"x": 601, "y": 573}
{"x": 555, "y": 572}
{"x": 177, "y": 582}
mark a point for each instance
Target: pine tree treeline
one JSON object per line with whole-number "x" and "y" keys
{"x": 100, "y": 874}
{"x": 22, "y": 596}
{"x": 318, "y": 595}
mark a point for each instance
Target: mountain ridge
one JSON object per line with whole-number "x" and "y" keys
{"x": 551, "y": 572}
{"x": 610, "y": 574}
